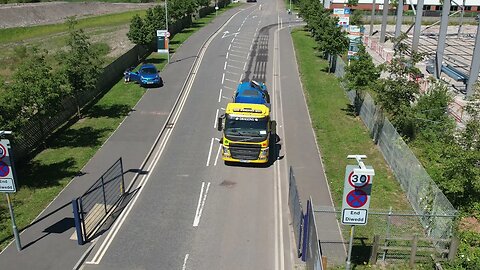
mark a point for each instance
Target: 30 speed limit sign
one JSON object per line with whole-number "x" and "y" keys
{"x": 358, "y": 181}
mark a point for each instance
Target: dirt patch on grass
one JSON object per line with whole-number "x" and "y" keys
{"x": 470, "y": 224}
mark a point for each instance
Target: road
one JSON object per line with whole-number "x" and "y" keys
{"x": 192, "y": 211}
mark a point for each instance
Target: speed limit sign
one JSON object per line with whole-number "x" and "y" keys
{"x": 358, "y": 180}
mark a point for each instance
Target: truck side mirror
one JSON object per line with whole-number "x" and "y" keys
{"x": 219, "y": 123}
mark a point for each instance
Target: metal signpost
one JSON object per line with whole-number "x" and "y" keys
{"x": 356, "y": 197}
{"x": 7, "y": 182}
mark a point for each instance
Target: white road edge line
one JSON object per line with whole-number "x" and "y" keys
{"x": 209, "y": 153}
{"x": 201, "y": 204}
{"x": 184, "y": 266}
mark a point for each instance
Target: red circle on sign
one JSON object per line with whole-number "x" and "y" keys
{"x": 357, "y": 186}
{"x": 357, "y": 198}
{"x": 4, "y": 169}
{"x": 3, "y": 151}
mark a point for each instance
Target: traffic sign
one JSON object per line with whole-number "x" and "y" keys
{"x": 357, "y": 198}
{"x": 3, "y": 151}
{"x": 358, "y": 180}
{"x": 7, "y": 179}
{"x": 4, "y": 169}
{"x": 356, "y": 195}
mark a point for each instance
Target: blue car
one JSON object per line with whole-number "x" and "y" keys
{"x": 147, "y": 75}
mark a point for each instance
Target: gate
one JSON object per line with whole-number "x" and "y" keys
{"x": 91, "y": 209}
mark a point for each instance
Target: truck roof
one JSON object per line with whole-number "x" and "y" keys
{"x": 246, "y": 109}
{"x": 251, "y": 92}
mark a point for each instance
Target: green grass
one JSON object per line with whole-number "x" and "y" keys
{"x": 21, "y": 33}
{"x": 339, "y": 133}
{"x": 43, "y": 177}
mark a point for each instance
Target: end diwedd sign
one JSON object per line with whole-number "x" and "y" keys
{"x": 7, "y": 180}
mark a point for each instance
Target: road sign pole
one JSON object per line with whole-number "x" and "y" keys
{"x": 14, "y": 225}
{"x": 350, "y": 245}
{"x": 166, "y": 27}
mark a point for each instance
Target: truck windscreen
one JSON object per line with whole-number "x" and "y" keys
{"x": 246, "y": 128}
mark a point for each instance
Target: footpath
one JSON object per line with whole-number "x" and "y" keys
{"x": 48, "y": 242}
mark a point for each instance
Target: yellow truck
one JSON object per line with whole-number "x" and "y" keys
{"x": 246, "y": 133}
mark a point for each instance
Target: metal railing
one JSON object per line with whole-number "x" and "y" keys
{"x": 91, "y": 209}
{"x": 296, "y": 211}
{"x": 312, "y": 253}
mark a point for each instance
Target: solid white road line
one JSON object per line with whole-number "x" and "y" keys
{"x": 201, "y": 203}
{"x": 209, "y": 153}
{"x": 184, "y": 267}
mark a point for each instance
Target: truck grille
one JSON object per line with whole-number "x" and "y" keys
{"x": 244, "y": 151}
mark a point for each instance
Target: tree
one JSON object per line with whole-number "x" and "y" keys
{"x": 178, "y": 9}
{"x": 332, "y": 41}
{"x": 138, "y": 32}
{"x": 154, "y": 20}
{"x": 203, "y": 3}
{"x": 355, "y": 14}
{"x": 399, "y": 90}
{"x": 37, "y": 91}
{"x": 81, "y": 64}
{"x": 362, "y": 72}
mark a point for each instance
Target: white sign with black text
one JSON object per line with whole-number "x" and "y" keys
{"x": 354, "y": 216}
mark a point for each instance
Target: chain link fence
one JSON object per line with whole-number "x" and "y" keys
{"x": 395, "y": 231}
{"x": 432, "y": 208}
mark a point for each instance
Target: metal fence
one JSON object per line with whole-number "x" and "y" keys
{"x": 312, "y": 254}
{"x": 395, "y": 228}
{"x": 296, "y": 211}
{"x": 427, "y": 200}
{"x": 91, "y": 209}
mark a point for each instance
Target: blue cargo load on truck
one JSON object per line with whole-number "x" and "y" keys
{"x": 252, "y": 92}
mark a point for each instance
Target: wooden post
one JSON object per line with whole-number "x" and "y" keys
{"x": 413, "y": 253}
{"x": 324, "y": 262}
{"x": 452, "y": 251}
{"x": 373, "y": 256}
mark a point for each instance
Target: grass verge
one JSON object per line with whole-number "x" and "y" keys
{"x": 43, "y": 177}
{"x": 339, "y": 133}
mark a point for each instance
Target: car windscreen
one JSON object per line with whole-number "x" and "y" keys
{"x": 148, "y": 71}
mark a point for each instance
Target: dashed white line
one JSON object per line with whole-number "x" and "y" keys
{"x": 226, "y": 56}
{"x": 201, "y": 203}
{"x": 245, "y": 66}
{"x": 229, "y": 46}
{"x": 219, "y": 97}
{"x": 225, "y": 66}
{"x": 241, "y": 77}
{"x": 209, "y": 153}
{"x": 184, "y": 267}
{"x": 223, "y": 78}
{"x": 215, "y": 122}
{"x": 218, "y": 153}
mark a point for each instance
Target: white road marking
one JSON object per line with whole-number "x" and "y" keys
{"x": 216, "y": 117}
{"x": 184, "y": 267}
{"x": 230, "y": 80}
{"x": 219, "y": 95}
{"x": 238, "y": 47}
{"x": 231, "y": 72}
{"x": 230, "y": 66}
{"x": 229, "y": 46}
{"x": 201, "y": 203}
{"x": 225, "y": 66}
{"x": 226, "y": 97}
{"x": 238, "y": 61}
{"x": 240, "y": 43}
{"x": 226, "y": 56}
{"x": 228, "y": 87}
{"x": 209, "y": 153}
{"x": 236, "y": 55}
{"x": 241, "y": 77}
{"x": 238, "y": 51}
{"x": 245, "y": 66}
{"x": 218, "y": 153}
{"x": 223, "y": 78}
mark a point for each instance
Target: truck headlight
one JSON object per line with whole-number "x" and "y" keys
{"x": 226, "y": 151}
{"x": 264, "y": 153}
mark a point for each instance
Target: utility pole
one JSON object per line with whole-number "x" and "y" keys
{"x": 166, "y": 28}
